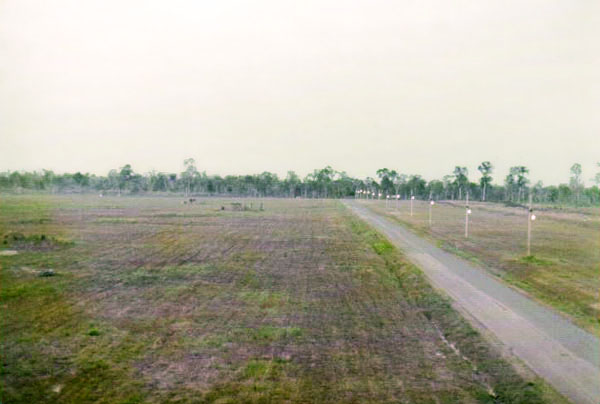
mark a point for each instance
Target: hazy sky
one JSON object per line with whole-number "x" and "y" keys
{"x": 243, "y": 87}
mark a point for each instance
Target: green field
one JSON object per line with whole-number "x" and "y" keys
{"x": 562, "y": 270}
{"x": 154, "y": 301}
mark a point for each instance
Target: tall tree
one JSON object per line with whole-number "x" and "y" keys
{"x": 510, "y": 182}
{"x": 447, "y": 181}
{"x": 401, "y": 180}
{"x": 416, "y": 185}
{"x": 292, "y": 183}
{"x": 485, "y": 168}
{"x": 461, "y": 179}
{"x": 189, "y": 174}
{"x": 124, "y": 177}
{"x": 82, "y": 180}
{"x": 596, "y": 178}
{"x": 324, "y": 177}
{"x": 522, "y": 180}
{"x": 575, "y": 182}
{"x": 387, "y": 178}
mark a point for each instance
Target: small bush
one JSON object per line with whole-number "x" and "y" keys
{"x": 532, "y": 259}
{"x": 93, "y": 332}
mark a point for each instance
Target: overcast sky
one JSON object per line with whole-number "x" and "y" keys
{"x": 243, "y": 87}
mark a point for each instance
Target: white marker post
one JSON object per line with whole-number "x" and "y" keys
{"x": 431, "y": 203}
{"x": 530, "y": 218}
{"x": 387, "y": 200}
{"x": 397, "y": 201}
{"x": 467, "y": 213}
{"x": 412, "y": 198}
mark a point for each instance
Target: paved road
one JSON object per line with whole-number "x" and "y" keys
{"x": 556, "y": 349}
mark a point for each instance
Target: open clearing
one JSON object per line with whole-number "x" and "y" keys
{"x": 153, "y": 301}
{"x": 563, "y": 271}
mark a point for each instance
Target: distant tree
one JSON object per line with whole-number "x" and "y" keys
{"x": 325, "y": 182}
{"x": 266, "y": 180}
{"x": 485, "y": 168}
{"x": 324, "y": 177}
{"x": 292, "y": 183}
{"x": 461, "y": 179}
{"x": 401, "y": 181}
{"x": 517, "y": 176}
{"x": 447, "y": 181}
{"x": 552, "y": 194}
{"x": 596, "y": 178}
{"x": 189, "y": 174}
{"x": 159, "y": 182}
{"x": 82, "y": 180}
{"x": 436, "y": 188}
{"x": 113, "y": 179}
{"x": 124, "y": 177}
{"x": 387, "y": 178}
{"x": 417, "y": 186}
{"x": 564, "y": 193}
{"x": 575, "y": 182}
{"x": 538, "y": 191}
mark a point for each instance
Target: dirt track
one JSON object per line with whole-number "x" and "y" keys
{"x": 560, "y": 352}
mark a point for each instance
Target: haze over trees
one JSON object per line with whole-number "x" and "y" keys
{"x": 321, "y": 183}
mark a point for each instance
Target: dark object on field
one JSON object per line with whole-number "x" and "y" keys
{"x": 11, "y": 237}
{"x": 191, "y": 200}
{"x": 222, "y": 207}
{"x": 47, "y": 272}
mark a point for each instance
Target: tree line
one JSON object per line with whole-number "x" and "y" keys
{"x": 321, "y": 183}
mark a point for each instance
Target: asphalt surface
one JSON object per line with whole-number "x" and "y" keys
{"x": 562, "y": 353}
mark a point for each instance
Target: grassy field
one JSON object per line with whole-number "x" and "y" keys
{"x": 563, "y": 270}
{"x": 154, "y": 301}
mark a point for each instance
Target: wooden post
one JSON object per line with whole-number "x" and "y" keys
{"x": 430, "y": 206}
{"x": 529, "y": 227}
